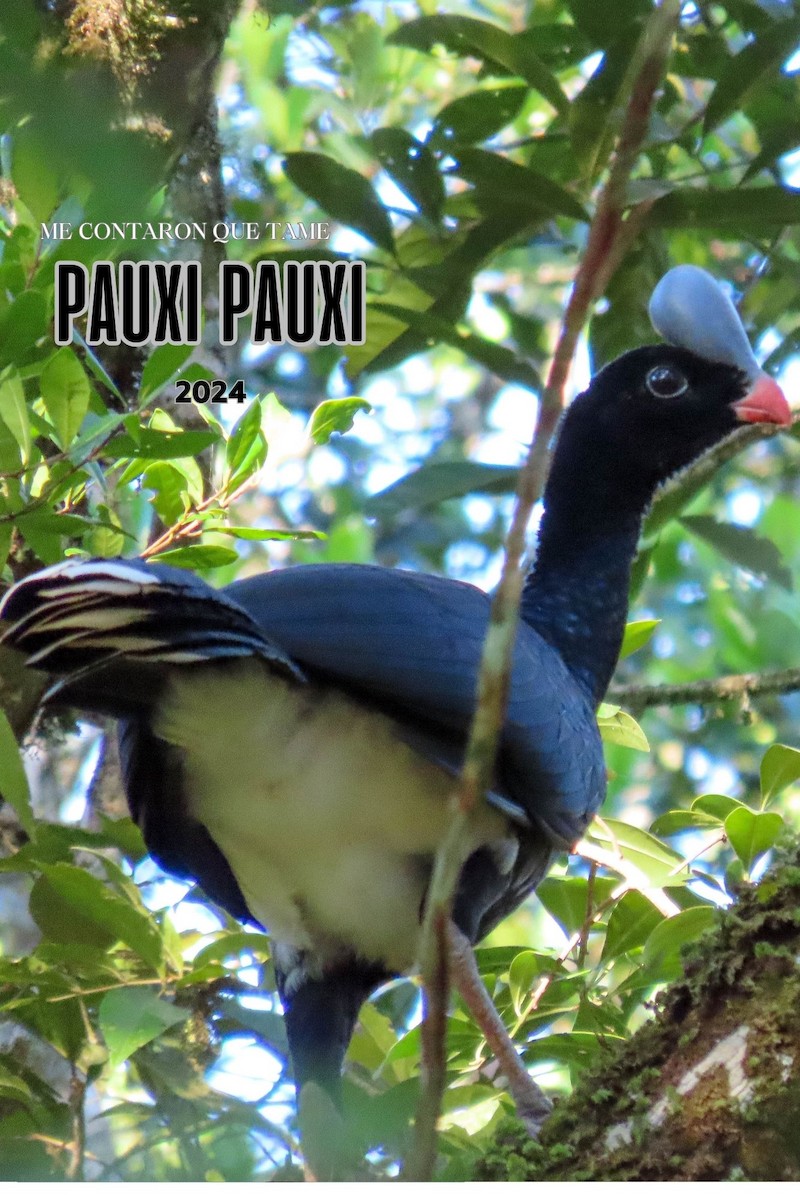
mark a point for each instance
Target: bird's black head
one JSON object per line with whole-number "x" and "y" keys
{"x": 655, "y": 410}
{"x": 649, "y": 414}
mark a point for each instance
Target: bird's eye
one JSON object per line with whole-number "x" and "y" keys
{"x": 666, "y": 382}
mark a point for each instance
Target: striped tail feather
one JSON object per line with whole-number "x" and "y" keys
{"x": 118, "y": 617}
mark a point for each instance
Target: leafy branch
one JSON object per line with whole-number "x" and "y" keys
{"x": 191, "y": 523}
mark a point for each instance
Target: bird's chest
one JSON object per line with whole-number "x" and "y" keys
{"x": 327, "y": 821}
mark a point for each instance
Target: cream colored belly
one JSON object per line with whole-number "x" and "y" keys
{"x": 327, "y": 821}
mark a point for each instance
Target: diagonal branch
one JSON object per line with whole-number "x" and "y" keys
{"x": 606, "y": 241}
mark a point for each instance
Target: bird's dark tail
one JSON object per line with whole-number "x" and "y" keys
{"x": 321, "y": 1008}
{"x": 320, "y": 1012}
{"x": 108, "y": 629}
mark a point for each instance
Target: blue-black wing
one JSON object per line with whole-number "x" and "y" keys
{"x": 411, "y": 644}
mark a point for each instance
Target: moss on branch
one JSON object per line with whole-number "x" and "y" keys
{"x": 707, "y": 1090}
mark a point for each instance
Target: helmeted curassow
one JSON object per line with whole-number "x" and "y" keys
{"x": 290, "y": 741}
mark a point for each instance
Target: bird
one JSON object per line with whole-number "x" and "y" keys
{"x": 289, "y": 742}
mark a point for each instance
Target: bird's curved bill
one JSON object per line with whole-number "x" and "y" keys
{"x": 689, "y": 309}
{"x": 764, "y": 402}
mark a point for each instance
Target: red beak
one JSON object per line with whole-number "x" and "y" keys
{"x": 764, "y": 402}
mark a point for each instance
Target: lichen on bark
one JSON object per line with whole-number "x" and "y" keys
{"x": 707, "y": 1090}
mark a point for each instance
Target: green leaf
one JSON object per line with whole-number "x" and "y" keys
{"x": 197, "y": 557}
{"x": 713, "y": 805}
{"x": 437, "y": 482}
{"x": 595, "y": 112}
{"x": 620, "y": 729}
{"x": 177, "y": 483}
{"x": 123, "y": 834}
{"x": 234, "y": 945}
{"x": 742, "y": 547}
{"x": 659, "y": 864}
{"x": 477, "y": 116}
{"x": 752, "y": 833}
{"x": 665, "y": 945}
{"x": 524, "y": 970}
{"x": 162, "y": 443}
{"x": 577, "y": 1048}
{"x": 343, "y": 193}
{"x": 265, "y": 535}
{"x": 65, "y": 394}
{"x": 593, "y": 20}
{"x": 412, "y": 167}
{"x": 780, "y": 766}
{"x": 679, "y": 820}
{"x": 637, "y": 634}
{"x": 745, "y": 210}
{"x": 506, "y": 183}
{"x": 172, "y": 498}
{"x": 24, "y": 323}
{"x": 468, "y": 1109}
{"x": 335, "y": 416}
{"x": 162, "y": 365}
{"x": 468, "y": 37}
{"x": 14, "y": 1088}
{"x": 6, "y": 529}
{"x": 13, "y": 780}
{"x": 776, "y": 141}
{"x": 492, "y": 355}
{"x": 373, "y": 1039}
{"x": 62, "y": 525}
{"x": 96, "y": 367}
{"x": 14, "y": 410}
{"x": 632, "y": 920}
{"x": 131, "y": 1017}
{"x": 53, "y": 843}
{"x": 450, "y": 280}
{"x": 745, "y": 70}
{"x": 80, "y": 902}
{"x": 97, "y": 430}
{"x": 63, "y": 923}
{"x": 625, "y": 321}
{"x": 106, "y": 538}
{"x": 246, "y": 448}
{"x": 10, "y": 450}
{"x": 567, "y": 899}
{"x": 268, "y": 1026}
{"x": 35, "y": 174}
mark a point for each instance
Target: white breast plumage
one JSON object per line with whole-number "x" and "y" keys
{"x": 328, "y": 822}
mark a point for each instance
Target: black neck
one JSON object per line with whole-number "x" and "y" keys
{"x": 615, "y": 447}
{"x": 576, "y": 595}
{"x": 579, "y": 602}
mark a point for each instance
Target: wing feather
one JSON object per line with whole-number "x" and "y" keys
{"x": 411, "y": 644}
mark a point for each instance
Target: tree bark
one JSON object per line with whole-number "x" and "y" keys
{"x": 709, "y": 1089}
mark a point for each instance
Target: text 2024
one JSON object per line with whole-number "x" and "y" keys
{"x": 201, "y": 391}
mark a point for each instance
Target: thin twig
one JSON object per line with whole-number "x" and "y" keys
{"x": 706, "y": 691}
{"x": 77, "y": 1098}
{"x": 672, "y": 497}
{"x": 433, "y": 1060}
{"x": 605, "y": 238}
{"x": 582, "y": 944}
{"x": 111, "y": 987}
{"x": 190, "y": 524}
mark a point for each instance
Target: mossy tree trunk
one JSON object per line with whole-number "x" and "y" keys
{"x": 708, "y": 1090}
